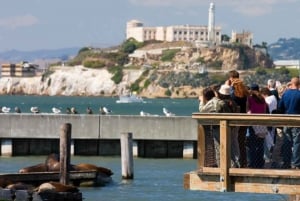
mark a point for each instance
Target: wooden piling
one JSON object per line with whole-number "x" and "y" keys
{"x": 126, "y": 156}
{"x": 65, "y": 152}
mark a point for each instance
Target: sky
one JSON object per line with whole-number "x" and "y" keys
{"x": 28, "y": 25}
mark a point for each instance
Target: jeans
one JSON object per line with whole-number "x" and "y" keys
{"x": 290, "y": 149}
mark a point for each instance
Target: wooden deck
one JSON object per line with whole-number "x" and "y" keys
{"x": 227, "y": 179}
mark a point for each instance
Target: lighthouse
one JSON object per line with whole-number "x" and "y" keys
{"x": 211, "y": 23}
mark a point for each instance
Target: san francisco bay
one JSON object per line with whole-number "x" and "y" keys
{"x": 180, "y": 107}
{"x": 154, "y": 179}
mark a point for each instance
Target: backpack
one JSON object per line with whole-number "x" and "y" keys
{"x": 229, "y": 106}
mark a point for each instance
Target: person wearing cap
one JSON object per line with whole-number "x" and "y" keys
{"x": 290, "y": 104}
{"x": 210, "y": 102}
{"x": 255, "y": 135}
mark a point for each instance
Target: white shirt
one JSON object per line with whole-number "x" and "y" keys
{"x": 272, "y": 102}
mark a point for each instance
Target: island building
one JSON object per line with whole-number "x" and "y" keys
{"x": 24, "y": 69}
{"x": 211, "y": 33}
{"x": 246, "y": 38}
{"x": 201, "y": 35}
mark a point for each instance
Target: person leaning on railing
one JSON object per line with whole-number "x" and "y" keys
{"x": 290, "y": 104}
{"x": 239, "y": 93}
{"x": 256, "y": 134}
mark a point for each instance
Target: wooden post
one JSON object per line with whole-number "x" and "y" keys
{"x": 225, "y": 156}
{"x": 65, "y": 143}
{"x": 201, "y": 147}
{"x": 126, "y": 155}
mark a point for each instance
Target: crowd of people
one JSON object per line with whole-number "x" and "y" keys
{"x": 253, "y": 146}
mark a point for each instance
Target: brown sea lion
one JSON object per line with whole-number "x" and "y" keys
{"x": 52, "y": 162}
{"x": 41, "y": 167}
{"x": 56, "y": 187}
{"x": 53, "y": 165}
{"x": 87, "y": 166}
{"x": 20, "y": 186}
{"x": 5, "y": 182}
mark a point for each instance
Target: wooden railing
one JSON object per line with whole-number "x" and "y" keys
{"x": 225, "y": 178}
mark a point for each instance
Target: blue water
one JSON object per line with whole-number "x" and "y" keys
{"x": 181, "y": 107}
{"x": 154, "y": 179}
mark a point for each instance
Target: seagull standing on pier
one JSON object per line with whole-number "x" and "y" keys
{"x": 168, "y": 113}
{"x": 89, "y": 110}
{"x": 56, "y": 110}
{"x": 35, "y": 110}
{"x": 17, "y": 109}
{"x": 104, "y": 110}
{"x": 73, "y": 110}
{"x": 142, "y": 113}
{"x": 5, "y": 109}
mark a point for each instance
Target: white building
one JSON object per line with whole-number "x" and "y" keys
{"x": 287, "y": 64}
{"x": 245, "y": 37}
{"x": 135, "y": 29}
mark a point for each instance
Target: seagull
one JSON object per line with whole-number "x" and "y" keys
{"x": 89, "y": 110}
{"x": 168, "y": 113}
{"x": 56, "y": 110}
{"x": 17, "y": 109}
{"x": 5, "y": 109}
{"x": 142, "y": 113}
{"x": 34, "y": 110}
{"x": 104, "y": 110}
{"x": 73, "y": 110}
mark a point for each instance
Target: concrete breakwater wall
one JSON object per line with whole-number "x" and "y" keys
{"x": 38, "y": 134}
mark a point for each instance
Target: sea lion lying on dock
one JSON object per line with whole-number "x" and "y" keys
{"x": 5, "y": 182}
{"x": 41, "y": 167}
{"x": 52, "y": 164}
{"x": 20, "y": 186}
{"x": 87, "y": 166}
{"x": 56, "y": 187}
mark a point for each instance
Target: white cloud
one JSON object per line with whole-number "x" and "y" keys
{"x": 18, "y": 21}
{"x": 244, "y": 7}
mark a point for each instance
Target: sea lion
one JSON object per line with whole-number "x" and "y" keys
{"x": 52, "y": 162}
{"x": 53, "y": 165}
{"x": 5, "y": 182}
{"x": 87, "y": 166}
{"x": 20, "y": 186}
{"x": 56, "y": 187}
{"x": 41, "y": 167}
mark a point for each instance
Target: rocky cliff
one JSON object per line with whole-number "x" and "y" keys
{"x": 176, "y": 78}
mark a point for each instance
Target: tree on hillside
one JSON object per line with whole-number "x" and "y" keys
{"x": 225, "y": 37}
{"x": 130, "y": 45}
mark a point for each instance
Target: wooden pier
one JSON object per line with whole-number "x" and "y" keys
{"x": 227, "y": 179}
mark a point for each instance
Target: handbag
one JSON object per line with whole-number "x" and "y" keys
{"x": 260, "y": 131}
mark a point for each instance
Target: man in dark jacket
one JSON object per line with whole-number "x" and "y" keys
{"x": 290, "y": 104}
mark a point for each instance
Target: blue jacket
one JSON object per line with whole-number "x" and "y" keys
{"x": 290, "y": 102}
